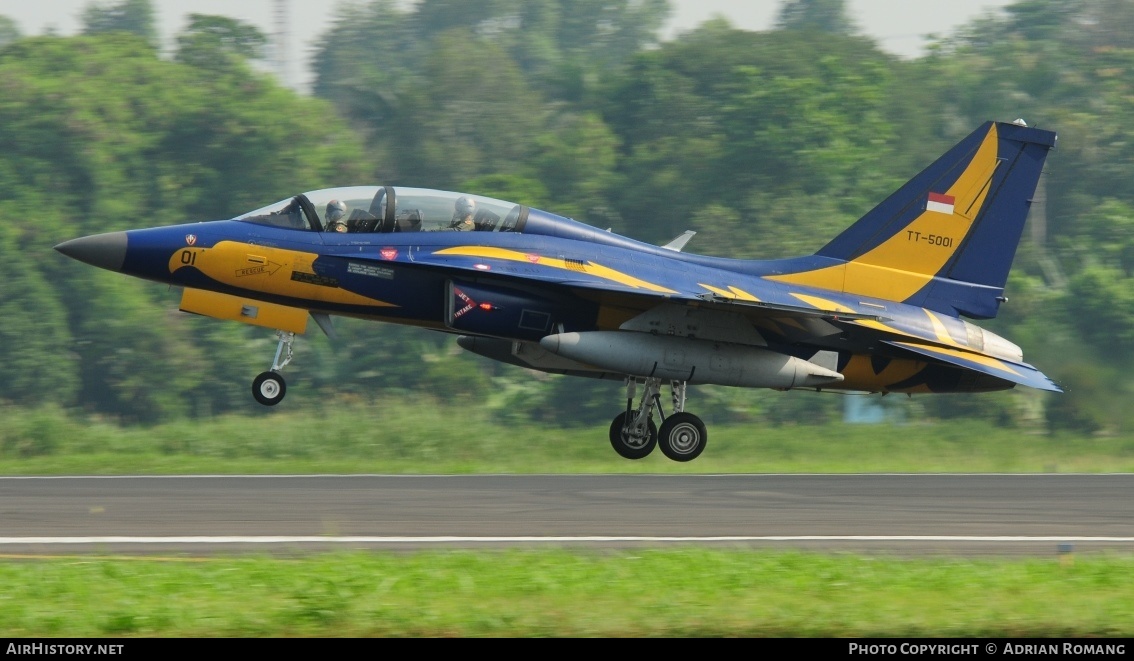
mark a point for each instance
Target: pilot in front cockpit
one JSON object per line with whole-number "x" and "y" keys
{"x": 336, "y": 216}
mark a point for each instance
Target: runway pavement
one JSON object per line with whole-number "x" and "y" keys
{"x": 1043, "y": 514}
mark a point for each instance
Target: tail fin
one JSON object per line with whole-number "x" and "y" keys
{"x": 946, "y": 239}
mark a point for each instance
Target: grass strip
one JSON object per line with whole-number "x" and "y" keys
{"x": 685, "y": 592}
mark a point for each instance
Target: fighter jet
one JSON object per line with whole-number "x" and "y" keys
{"x": 883, "y": 307}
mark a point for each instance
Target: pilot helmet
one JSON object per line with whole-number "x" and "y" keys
{"x": 465, "y": 206}
{"x": 335, "y": 211}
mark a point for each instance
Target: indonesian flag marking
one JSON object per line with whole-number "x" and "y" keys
{"x": 940, "y": 203}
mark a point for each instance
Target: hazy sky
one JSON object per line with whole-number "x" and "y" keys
{"x": 899, "y": 26}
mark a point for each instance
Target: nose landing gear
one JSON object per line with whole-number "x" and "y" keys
{"x": 269, "y": 387}
{"x": 634, "y": 435}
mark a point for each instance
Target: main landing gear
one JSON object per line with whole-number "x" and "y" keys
{"x": 269, "y": 387}
{"x": 634, "y": 435}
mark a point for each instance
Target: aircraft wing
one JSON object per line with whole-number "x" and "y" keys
{"x": 796, "y": 323}
{"x": 1016, "y": 372}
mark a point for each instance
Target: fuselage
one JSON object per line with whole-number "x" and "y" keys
{"x": 406, "y": 277}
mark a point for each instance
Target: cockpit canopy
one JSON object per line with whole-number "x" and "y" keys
{"x": 382, "y": 209}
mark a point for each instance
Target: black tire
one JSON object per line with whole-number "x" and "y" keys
{"x": 682, "y": 437}
{"x": 269, "y": 388}
{"x": 631, "y": 447}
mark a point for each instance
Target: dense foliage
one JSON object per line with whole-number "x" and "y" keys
{"x": 766, "y": 143}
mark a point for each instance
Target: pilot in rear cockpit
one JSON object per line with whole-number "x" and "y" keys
{"x": 336, "y": 216}
{"x": 463, "y": 213}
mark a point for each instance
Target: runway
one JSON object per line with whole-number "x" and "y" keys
{"x": 1043, "y": 514}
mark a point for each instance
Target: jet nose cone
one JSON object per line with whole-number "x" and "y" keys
{"x": 106, "y": 251}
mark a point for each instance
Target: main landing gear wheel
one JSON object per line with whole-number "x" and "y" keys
{"x": 269, "y": 388}
{"x": 632, "y": 443}
{"x": 682, "y": 437}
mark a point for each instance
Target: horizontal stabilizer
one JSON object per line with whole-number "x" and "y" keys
{"x": 1021, "y": 373}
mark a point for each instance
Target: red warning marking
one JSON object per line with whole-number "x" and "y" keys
{"x": 469, "y": 303}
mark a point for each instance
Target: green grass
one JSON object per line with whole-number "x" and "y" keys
{"x": 685, "y": 592}
{"x": 425, "y": 439}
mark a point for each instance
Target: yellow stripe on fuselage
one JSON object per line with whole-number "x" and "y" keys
{"x": 879, "y": 326}
{"x": 903, "y": 264}
{"x": 591, "y": 268}
{"x": 266, "y": 270}
{"x": 942, "y": 333}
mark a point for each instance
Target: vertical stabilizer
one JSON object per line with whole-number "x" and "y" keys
{"x": 946, "y": 239}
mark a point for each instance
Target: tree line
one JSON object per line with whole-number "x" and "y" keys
{"x": 765, "y": 143}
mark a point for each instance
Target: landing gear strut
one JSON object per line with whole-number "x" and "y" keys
{"x": 633, "y": 434}
{"x": 269, "y": 387}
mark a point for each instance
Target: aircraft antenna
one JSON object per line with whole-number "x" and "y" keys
{"x": 281, "y": 40}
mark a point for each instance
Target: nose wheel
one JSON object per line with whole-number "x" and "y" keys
{"x": 269, "y": 387}
{"x": 633, "y": 434}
